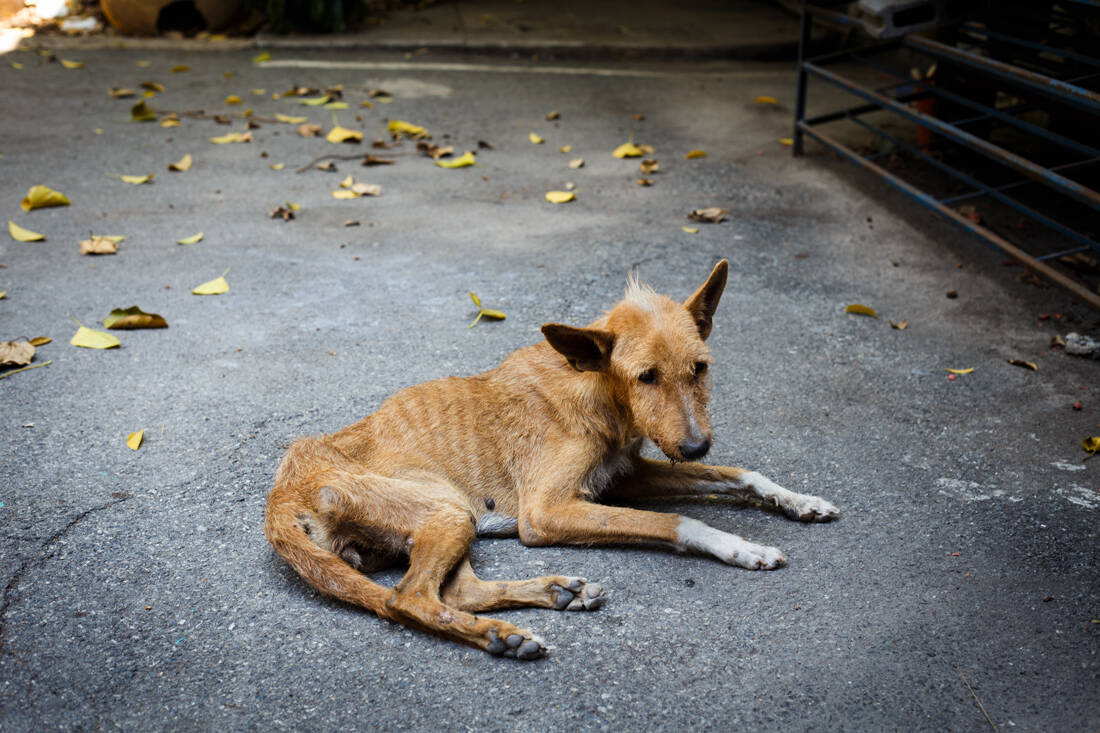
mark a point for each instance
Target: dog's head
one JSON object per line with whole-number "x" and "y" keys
{"x": 653, "y": 351}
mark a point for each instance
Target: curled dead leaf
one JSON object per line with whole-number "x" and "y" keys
{"x": 560, "y": 197}
{"x": 649, "y": 166}
{"x": 182, "y": 164}
{"x": 900, "y": 325}
{"x": 137, "y": 180}
{"x": 344, "y": 135}
{"x": 709, "y": 215}
{"x": 121, "y": 93}
{"x": 766, "y": 100}
{"x": 19, "y": 234}
{"x": 193, "y": 239}
{"x": 98, "y": 246}
{"x": 690, "y": 230}
{"x": 692, "y": 154}
{"x": 399, "y": 128}
{"x": 644, "y": 181}
{"x": 309, "y": 130}
{"x": 41, "y": 197}
{"x": 133, "y": 318}
{"x": 233, "y": 99}
{"x": 232, "y": 137}
{"x": 1091, "y": 445}
{"x": 366, "y": 189}
{"x": 861, "y": 310}
{"x": 291, "y": 119}
{"x": 141, "y": 113}
{"x": 327, "y": 166}
{"x": 462, "y": 161}
{"x": 16, "y": 353}
{"x": 553, "y": 115}
{"x": 40, "y": 340}
{"x": 627, "y": 150}
{"x": 375, "y": 160}
{"x": 180, "y": 69}
{"x": 286, "y": 213}
{"x": 217, "y": 286}
{"x": 576, "y": 163}
{"x": 961, "y": 371}
{"x": 535, "y": 139}
{"x": 1025, "y": 364}
{"x": 133, "y": 440}
{"x": 434, "y": 151}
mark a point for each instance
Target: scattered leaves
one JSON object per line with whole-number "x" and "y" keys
{"x": 121, "y": 93}
{"x": 1025, "y": 364}
{"x": 649, "y": 166}
{"x": 217, "y": 286}
{"x": 690, "y": 230}
{"x": 398, "y": 128}
{"x": 692, "y": 154}
{"x": 182, "y": 164}
{"x": 483, "y": 312}
{"x": 133, "y": 440}
{"x": 98, "y": 246}
{"x": 193, "y": 239}
{"x": 170, "y": 120}
{"x": 644, "y": 181}
{"x": 466, "y": 159}
{"x": 16, "y": 353}
{"x": 291, "y": 119}
{"x": 137, "y": 180}
{"x": 961, "y": 371}
{"x": 535, "y": 139}
{"x": 89, "y": 338}
{"x": 152, "y": 86}
{"x": 861, "y": 310}
{"x": 285, "y": 212}
{"x": 344, "y": 135}
{"x": 560, "y": 197}
{"x": 627, "y": 150}
{"x": 71, "y": 64}
{"x": 233, "y": 99}
{"x": 19, "y": 234}
{"x": 140, "y": 112}
{"x": 900, "y": 325}
{"x": 133, "y": 318}
{"x": 434, "y": 151}
{"x": 41, "y": 197}
{"x": 232, "y": 137}
{"x": 315, "y": 101}
{"x": 709, "y": 215}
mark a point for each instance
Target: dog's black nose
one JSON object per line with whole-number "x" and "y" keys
{"x": 691, "y": 449}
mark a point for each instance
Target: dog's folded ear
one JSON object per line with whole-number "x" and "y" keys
{"x": 704, "y": 301}
{"x": 586, "y": 349}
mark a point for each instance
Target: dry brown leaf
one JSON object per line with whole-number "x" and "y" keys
{"x": 485, "y": 145}
{"x": 120, "y": 93}
{"x": 649, "y": 166}
{"x": 576, "y": 163}
{"x": 366, "y": 189}
{"x": 434, "y": 151}
{"x": 381, "y": 145}
{"x": 98, "y": 246}
{"x": 309, "y": 130}
{"x": 375, "y": 160}
{"x": 133, "y": 318}
{"x": 861, "y": 310}
{"x": 900, "y": 325}
{"x": 644, "y": 181}
{"x": 16, "y": 353}
{"x": 183, "y": 164}
{"x": 553, "y": 115}
{"x": 286, "y": 212}
{"x": 1025, "y": 364}
{"x": 710, "y": 215}
{"x": 328, "y": 166}
{"x": 692, "y": 154}
{"x": 647, "y": 149}
{"x": 152, "y": 86}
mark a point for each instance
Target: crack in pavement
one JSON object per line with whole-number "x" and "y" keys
{"x": 24, "y": 568}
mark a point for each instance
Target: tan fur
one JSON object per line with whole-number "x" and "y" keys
{"x": 538, "y": 438}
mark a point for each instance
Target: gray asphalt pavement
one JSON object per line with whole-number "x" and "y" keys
{"x": 140, "y": 594}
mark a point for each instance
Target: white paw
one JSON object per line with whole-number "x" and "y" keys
{"x": 808, "y": 508}
{"x": 729, "y": 548}
{"x": 756, "y": 557}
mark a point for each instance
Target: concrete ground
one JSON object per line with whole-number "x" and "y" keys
{"x": 140, "y": 593}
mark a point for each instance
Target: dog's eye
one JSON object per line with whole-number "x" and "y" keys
{"x": 700, "y": 368}
{"x": 649, "y": 376}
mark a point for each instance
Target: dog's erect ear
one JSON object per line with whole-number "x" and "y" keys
{"x": 704, "y": 301}
{"x": 586, "y": 349}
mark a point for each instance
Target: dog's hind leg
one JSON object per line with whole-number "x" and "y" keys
{"x": 465, "y": 591}
{"x": 439, "y": 530}
{"x": 656, "y": 479}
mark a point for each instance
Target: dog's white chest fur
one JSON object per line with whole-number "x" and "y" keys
{"x": 614, "y": 464}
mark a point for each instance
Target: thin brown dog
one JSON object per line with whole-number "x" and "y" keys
{"x": 523, "y": 449}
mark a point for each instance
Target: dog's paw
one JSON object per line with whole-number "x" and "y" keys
{"x": 522, "y": 645}
{"x": 752, "y": 556}
{"x": 579, "y": 595}
{"x": 806, "y": 508}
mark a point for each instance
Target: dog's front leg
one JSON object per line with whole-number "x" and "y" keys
{"x": 652, "y": 479}
{"x": 574, "y": 520}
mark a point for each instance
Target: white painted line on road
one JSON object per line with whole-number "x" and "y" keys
{"x": 503, "y": 69}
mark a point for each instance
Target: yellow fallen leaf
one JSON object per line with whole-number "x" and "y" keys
{"x": 152, "y": 86}
{"x": 233, "y": 99}
{"x": 193, "y": 239}
{"x": 132, "y": 318}
{"x": 71, "y": 64}
{"x": 315, "y": 101}
{"x": 290, "y": 119}
{"x": 232, "y": 137}
{"x": 1091, "y": 444}
{"x": 366, "y": 189}
{"x": 345, "y": 194}
{"x": 461, "y": 161}
{"x": 347, "y": 182}
{"x": 19, "y": 234}
{"x": 535, "y": 139}
{"x": 91, "y": 339}
{"x": 120, "y": 93}
{"x": 861, "y": 310}
{"x": 133, "y": 440}
{"x": 961, "y": 371}
{"x": 1025, "y": 364}
{"x": 16, "y": 65}
{"x": 265, "y": 56}
{"x": 709, "y": 215}
{"x": 644, "y": 181}
{"x": 170, "y": 122}
{"x": 277, "y": 166}
{"x": 344, "y": 135}
{"x": 228, "y": 74}
{"x": 900, "y": 325}
{"x": 3, "y": 294}
{"x": 294, "y": 207}
{"x": 483, "y": 312}
{"x": 690, "y": 230}
{"x": 692, "y": 154}
{"x": 148, "y": 94}
{"x": 41, "y": 197}
{"x": 336, "y": 105}
{"x": 40, "y": 340}
{"x": 399, "y": 127}
{"x": 565, "y": 148}
{"x": 259, "y": 92}
{"x": 137, "y": 180}
{"x": 217, "y": 286}
{"x": 143, "y": 64}
{"x": 787, "y": 141}
{"x": 98, "y": 246}
{"x": 98, "y": 131}
{"x": 766, "y": 100}
{"x": 576, "y": 163}
{"x": 141, "y": 113}
{"x": 183, "y": 164}
{"x": 180, "y": 69}
{"x": 559, "y": 197}
{"x": 627, "y": 150}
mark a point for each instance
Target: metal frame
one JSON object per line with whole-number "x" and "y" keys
{"x": 1054, "y": 161}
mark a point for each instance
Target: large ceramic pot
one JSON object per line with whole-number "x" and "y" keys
{"x": 148, "y": 17}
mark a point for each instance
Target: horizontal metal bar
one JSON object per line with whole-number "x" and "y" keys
{"x": 1020, "y": 124}
{"x": 1080, "y": 97}
{"x": 976, "y": 29}
{"x": 1012, "y": 250}
{"x": 1020, "y": 164}
{"x": 994, "y": 193}
{"x": 961, "y": 197}
{"x": 1063, "y": 253}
